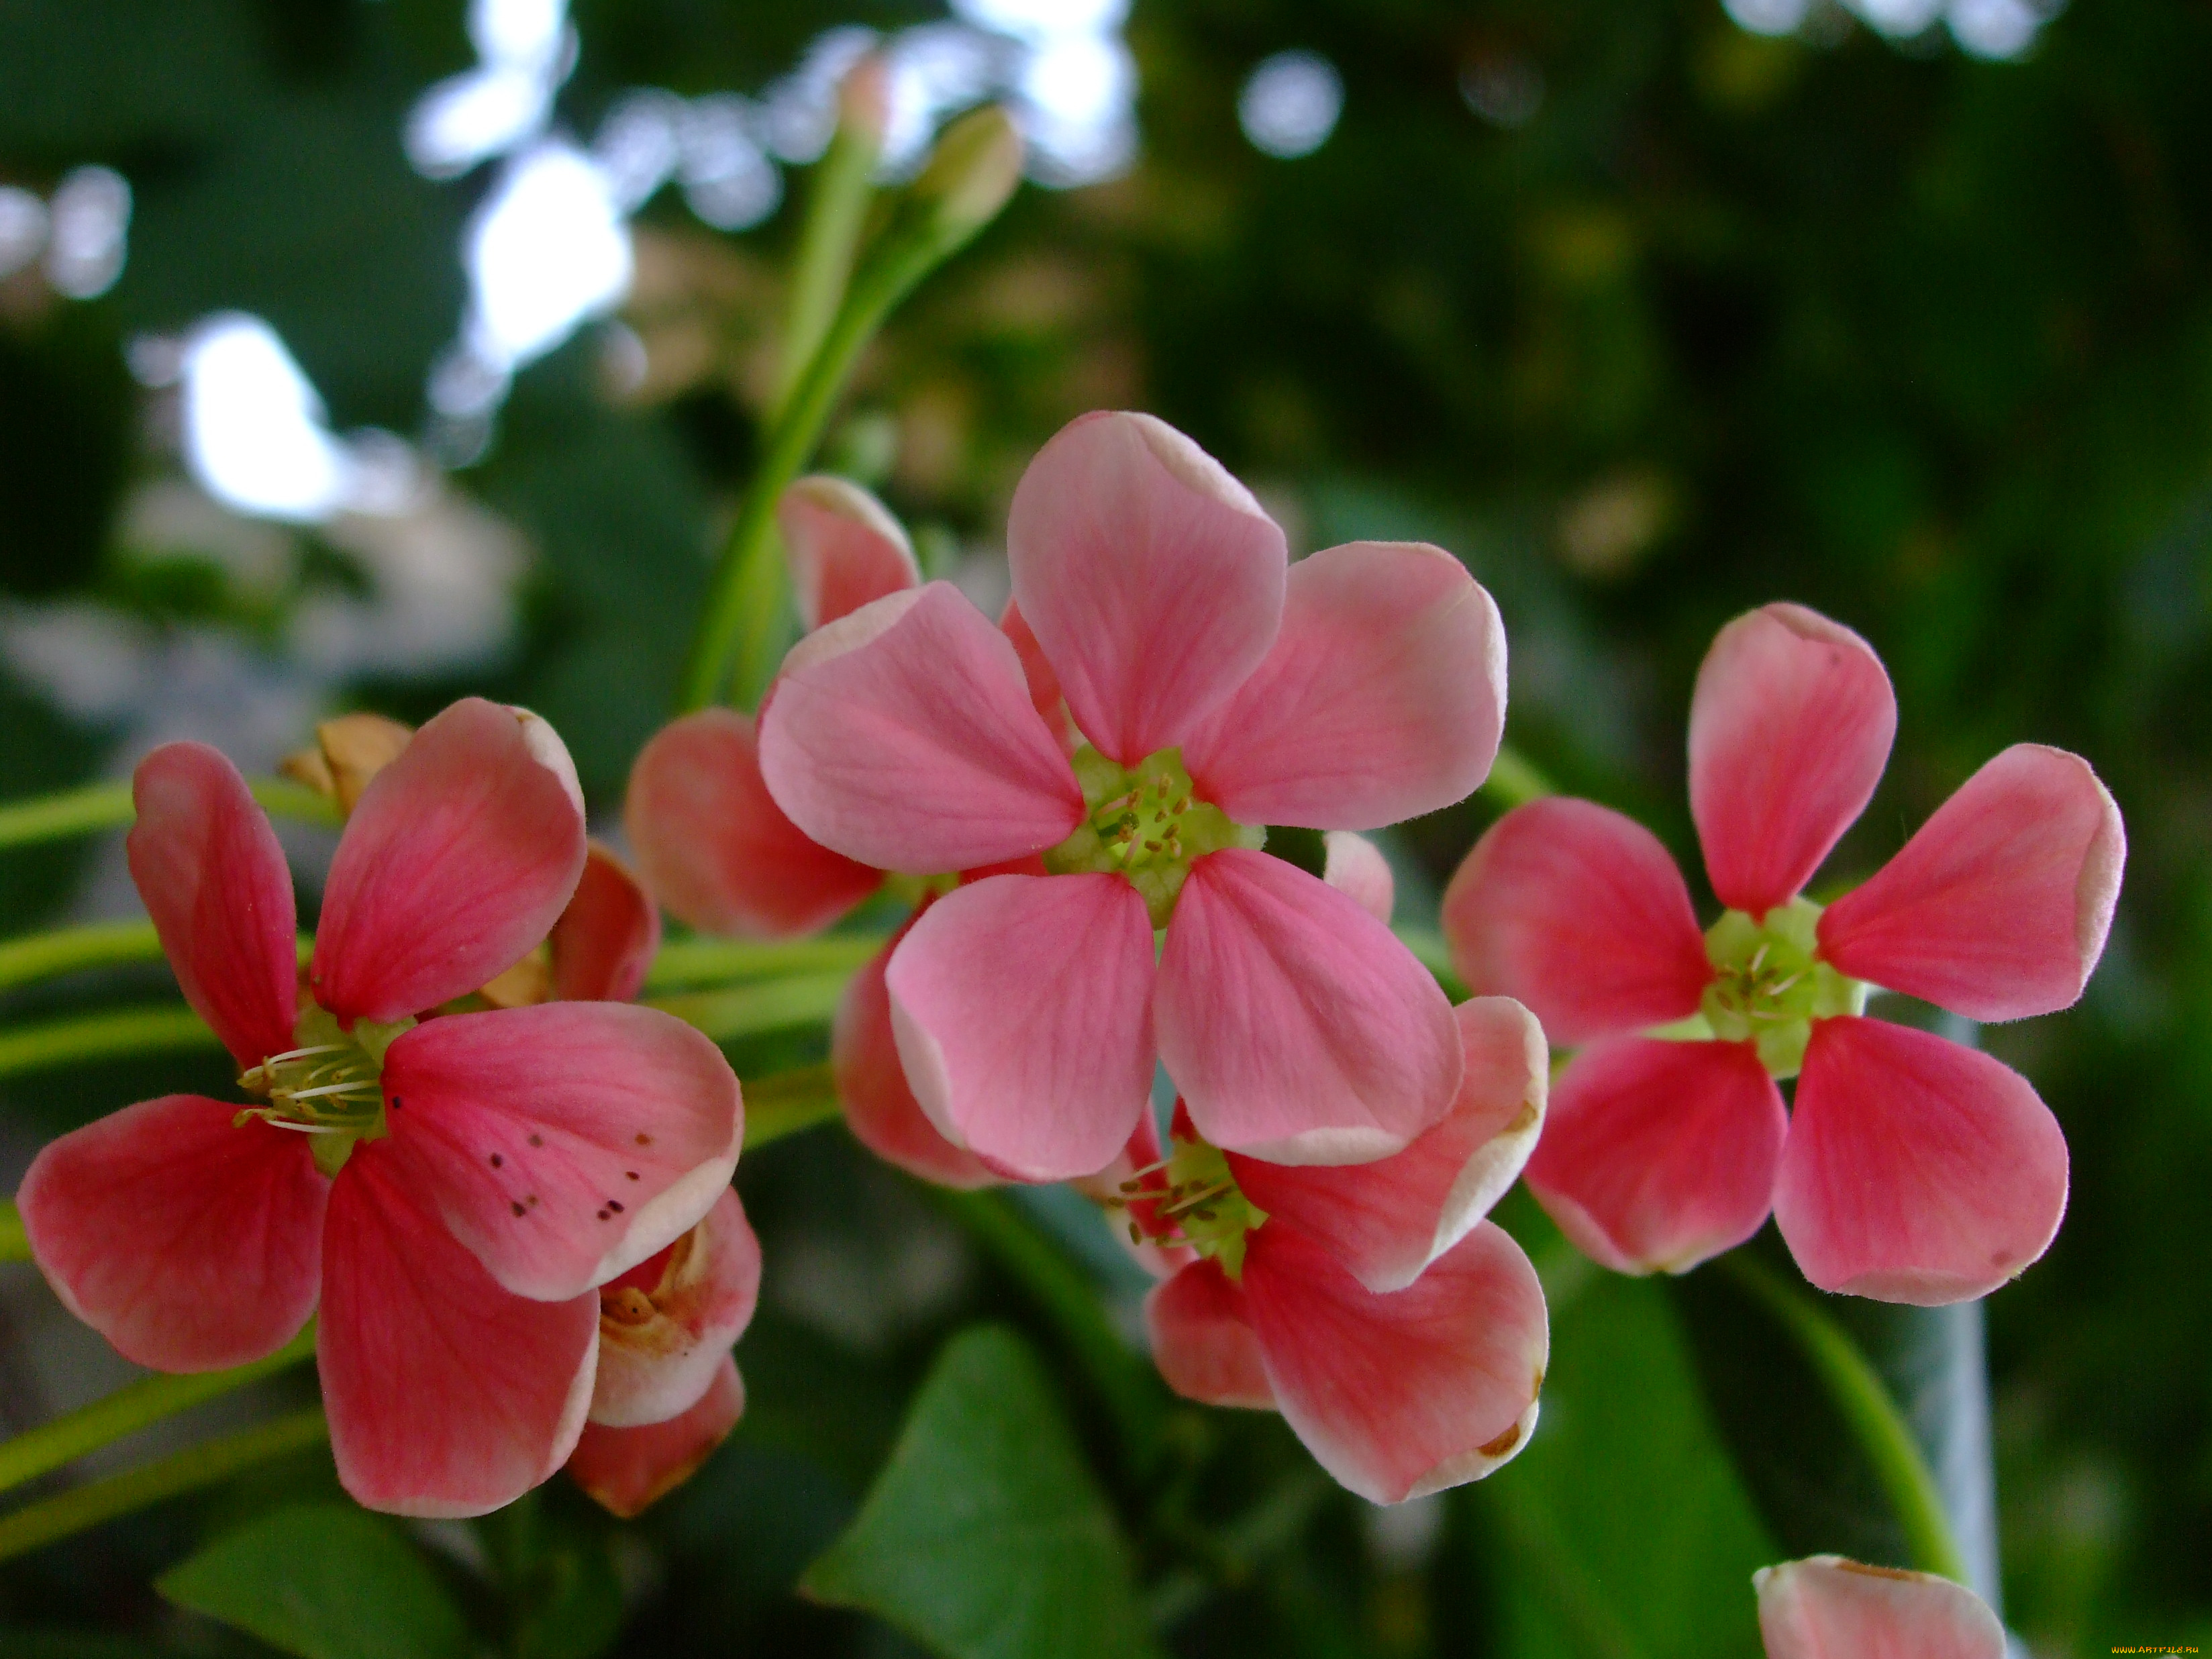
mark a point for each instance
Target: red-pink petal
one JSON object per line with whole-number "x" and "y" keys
{"x": 1382, "y": 698}
{"x": 629, "y": 1470}
{"x": 607, "y": 936}
{"x": 879, "y": 1107}
{"x": 213, "y": 878}
{"x": 1151, "y": 578}
{"x": 1403, "y": 1395}
{"x": 1297, "y": 1027}
{"x": 1386, "y": 1221}
{"x": 1203, "y": 1342}
{"x": 1355, "y": 866}
{"x": 457, "y": 860}
{"x": 716, "y": 847}
{"x": 446, "y": 1395}
{"x": 1580, "y": 913}
{"x": 1998, "y": 907}
{"x": 1022, "y": 1006}
{"x": 1790, "y": 729}
{"x": 696, "y": 1297}
{"x": 1660, "y": 1155}
{"x": 563, "y": 1143}
{"x": 1917, "y": 1171}
{"x": 904, "y": 737}
{"x": 1826, "y": 1607}
{"x": 843, "y": 548}
{"x": 1043, "y": 684}
{"x": 190, "y": 1244}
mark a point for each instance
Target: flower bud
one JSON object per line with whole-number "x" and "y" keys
{"x": 972, "y": 172}
{"x": 864, "y": 101}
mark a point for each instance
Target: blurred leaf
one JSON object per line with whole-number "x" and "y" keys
{"x": 70, "y": 1644}
{"x": 986, "y": 1536}
{"x": 323, "y": 1582}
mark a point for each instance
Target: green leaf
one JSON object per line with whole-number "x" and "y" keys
{"x": 985, "y": 1536}
{"x": 324, "y": 1582}
{"x": 70, "y": 1644}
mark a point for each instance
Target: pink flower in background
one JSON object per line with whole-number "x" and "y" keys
{"x": 1908, "y": 1168}
{"x": 447, "y": 1192}
{"x": 1402, "y": 1335}
{"x": 1216, "y": 689}
{"x": 1826, "y": 1607}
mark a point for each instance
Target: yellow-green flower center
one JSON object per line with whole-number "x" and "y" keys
{"x": 1770, "y": 985}
{"x": 329, "y": 1087}
{"x": 1145, "y": 822}
{"x": 1200, "y": 1205}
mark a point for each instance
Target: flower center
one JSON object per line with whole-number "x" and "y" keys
{"x": 1770, "y": 985}
{"x": 331, "y": 1086}
{"x": 1190, "y": 1197}
{"x": 1147, "y": 823}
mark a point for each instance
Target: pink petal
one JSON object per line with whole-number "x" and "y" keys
{"x": 629, "y": 1470}
{"x": 879, "y": 1107}
{"x": 844, "y": 549}
{"x": 1916, "y": 1170}
{"x": 1383, "y": 697}
{"x": 1404, "y": 1394}
{"x": 1581, "y": 914}
{"x": 213, "y": 878}
{"x": 1043, "y": 684}
{"x": 190, "y": 1245}
{"x": 1826, "y": 1607}
{"x": 457, "y": 862}
{"x": 565, "y": 1143}
{"x": 1386, "y": 1221}
{"x": 1998, "y": 907}
{"x": 1788, "y": 732}
{"x": 447, "y": 1395}
{"x": 1022, "y": 1005}
{"x": 607, "y": 937}
{"x": 1296, "y": 1026}
{"x": 904, "y": 737}
{"x": 716, "y": 848}
{"x": 1355, "y": 866}
{"x": 1660, "y": 1155}
{"x": 1203, "y": 1342}
{"x": 666, "y": 1325}
{"x": 1152, "y": 579}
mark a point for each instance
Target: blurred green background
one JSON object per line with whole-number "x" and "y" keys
{"x": 367, "y": 351}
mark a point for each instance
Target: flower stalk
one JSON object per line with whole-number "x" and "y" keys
{"x": 98, "y": 806}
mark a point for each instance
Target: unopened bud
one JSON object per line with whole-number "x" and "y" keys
{"x": 973, "y": 170}
{"x": 864, "y": 101}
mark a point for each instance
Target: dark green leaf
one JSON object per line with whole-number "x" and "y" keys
{"x": 323, "y": 1582}
{"x": 986, "y": 1537}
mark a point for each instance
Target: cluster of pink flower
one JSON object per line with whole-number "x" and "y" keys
{"x": 1075, "y": 800}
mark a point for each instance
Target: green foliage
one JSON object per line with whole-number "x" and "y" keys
{"x": 986, "y": 1537}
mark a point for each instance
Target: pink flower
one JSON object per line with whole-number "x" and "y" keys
{"x": 1909, "y": 1169}
{"x": 1401, "y": 1335}
{"x": 668, "y": 1391}
{"x": 449, "y": 1191}
{"x": 1216, "y": 689}
{"x": 720, "y": 854}
{"x": 1826, "y": 1607}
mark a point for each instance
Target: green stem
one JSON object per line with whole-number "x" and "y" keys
{"x": 107, "y": 807}
{"x": 1428, "y": 945}
{"x": 126, "y": 1410}
{"x": 837, "y": 203}
{"x": 14, "y": 1243}
{"x": 690, "y": 962}
{"x": 103, "y": 1036}
{"x": 1513, "y": 781}
{"x": 67, "y": 950}
{"x": 1855, "y": 1390}
{"x": 36, "y": 1525}
{"x": 789, "y": 1102}
{"x": 748, "y": 1010}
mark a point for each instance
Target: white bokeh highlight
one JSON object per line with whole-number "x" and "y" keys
{"x": 1291, "y": 103}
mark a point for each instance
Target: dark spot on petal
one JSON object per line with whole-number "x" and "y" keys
{"x": 538, "y": 1141}
{"x": 517, "y": 1208}
{"x": 496, "y": 1160}
{"x": 531, "y": 1200}
{"x": 615, "y": 1207}
{"x": 602, "y": 1215}
{"x": 397, "y": 1103}
{"x": 632, "y": 1173}
{"x": 643, "y": 1139}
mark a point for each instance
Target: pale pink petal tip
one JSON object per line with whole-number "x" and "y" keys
{"x": 1916, "y": 1170}
{"x": 1826, "y": 1607}
{"x": 1022, "y": 1010}
{"x": 1386, "y": 1221}
{"x": 1355, "y": 866}
{"x": 1298, "y": 1028}
{"x": 843, "y": 547}
{"x": 627, "y": 1471}
{"x": 1203, "y": 1342}
{"x": 1382, "y": 698}
{"x": 880, "y": 1109}
{"x": 667, "y": 1324}
{"x": 1579, "y": 912}
{"x": 1152, "y": 579}
{"x": 905, "y": 736}
{"x": 1998, "y": 907}
{"x": 716, "y": 847}
{"x": 1660, "y": 1155}
{"x": 1790, "y": 730}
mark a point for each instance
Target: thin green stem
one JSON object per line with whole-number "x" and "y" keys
{"x": 789, "y": 1102}
{"x": 64, "y": 1514}
{"x": 1513, "y": 781}
{"x": 103, "y": 1036}
{"x": 690, "y": 962}
{"x": 14, "y": 1243}
{"x": 748, "y": 1010}
{"x": 98, "y": 806}
{"x": 68, "y": 949}
{"x": 1855, "y": 1390}
{"x": 836, "y": 204}
{"x": 1428, "y": 945}
{"x": 127, "y": 1409}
